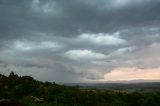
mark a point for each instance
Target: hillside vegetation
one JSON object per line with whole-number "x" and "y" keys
{"x": 29, "y": 92}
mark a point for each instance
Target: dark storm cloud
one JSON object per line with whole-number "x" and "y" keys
{"x": 83, "y": 39}
{"x": 22, "y": 17}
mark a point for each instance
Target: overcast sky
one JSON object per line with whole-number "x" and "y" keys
{"x": 80, "y": 40}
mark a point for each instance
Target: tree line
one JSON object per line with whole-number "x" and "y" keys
{"x": 31, "y": 92}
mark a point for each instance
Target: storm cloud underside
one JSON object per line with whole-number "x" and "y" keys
{"x": 80, "y": 40}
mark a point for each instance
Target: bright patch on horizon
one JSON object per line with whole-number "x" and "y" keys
{"x": 127, "y": 74}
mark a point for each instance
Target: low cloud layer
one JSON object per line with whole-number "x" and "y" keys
{"x": 80, "y": 40}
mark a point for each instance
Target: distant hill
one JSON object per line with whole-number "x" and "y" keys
{"x": 142, "y": 85}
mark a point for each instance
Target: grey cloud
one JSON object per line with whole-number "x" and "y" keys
{"x": 19, "y": 17}
{"x": 36, "y": 35}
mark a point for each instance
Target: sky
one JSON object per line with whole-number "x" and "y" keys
{"x": 72, "y": 41}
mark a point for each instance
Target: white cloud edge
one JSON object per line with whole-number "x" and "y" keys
{"x": 83, "y": 54}
{"x": 28, "y": 46}
{"x": 102, "y": 38}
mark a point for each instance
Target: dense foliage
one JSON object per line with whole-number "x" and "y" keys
{"x": 35, "y": 93}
